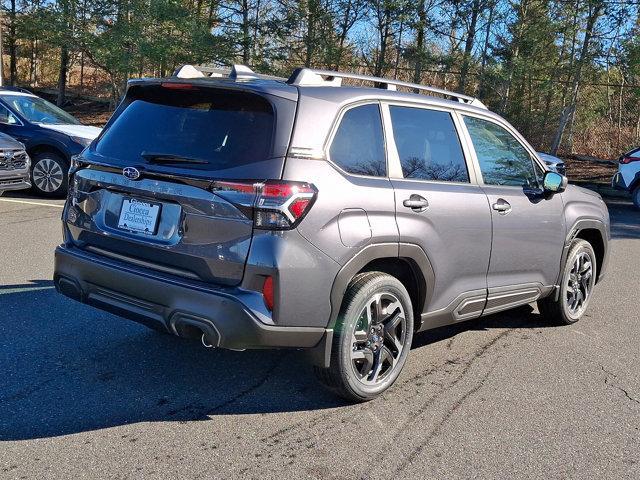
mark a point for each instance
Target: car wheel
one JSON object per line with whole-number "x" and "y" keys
{"x": 371, "y": 338}
{"x": 635, "y": 196}
{"x": 576, "y": 287}
{"x": 49, "y": 175}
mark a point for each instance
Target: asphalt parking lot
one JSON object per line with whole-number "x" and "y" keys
{"x": 84, "y": 394}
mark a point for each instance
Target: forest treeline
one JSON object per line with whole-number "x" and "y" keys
{"x": 565, "y": 72}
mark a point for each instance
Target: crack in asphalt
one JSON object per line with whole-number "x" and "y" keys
{"x": 623, "y": 390}
{"x": 438, "y": 427}
{"x": 480, "y": 352}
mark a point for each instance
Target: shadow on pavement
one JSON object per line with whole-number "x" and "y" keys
{"x": 69, "y": 368}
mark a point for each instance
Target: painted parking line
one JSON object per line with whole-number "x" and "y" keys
{"x": 28, "y": 202}
{"x": 24, "y": 289}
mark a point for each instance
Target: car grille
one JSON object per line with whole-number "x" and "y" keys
{"x": 13, "y": 159}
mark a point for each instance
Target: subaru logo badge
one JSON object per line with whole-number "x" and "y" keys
{"x": 131, "y": 173}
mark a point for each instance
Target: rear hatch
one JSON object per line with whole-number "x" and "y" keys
{"x": 156, "y": 189}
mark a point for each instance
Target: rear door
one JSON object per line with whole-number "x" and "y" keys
{"x": 528, "y": 228}
{"x": 441, "y": 208}
{"x": 165, "y": 185}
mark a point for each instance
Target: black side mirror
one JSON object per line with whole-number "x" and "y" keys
{"x": 554, "y": 182}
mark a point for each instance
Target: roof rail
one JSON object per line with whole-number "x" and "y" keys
{"x": 236, "y": 72}
{"x": 316, "y": 77}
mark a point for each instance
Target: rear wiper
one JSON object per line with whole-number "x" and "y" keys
{"x": 170, "y": 158}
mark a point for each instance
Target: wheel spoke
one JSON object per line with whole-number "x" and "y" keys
{"x": 377, "y": 366}
{"x": 387, "y": 356}
{"x": 379, "y": 311}
{"x": 390, "y": 332}
{"x": 580, "y": 299}
{"x": 364, "y": 359}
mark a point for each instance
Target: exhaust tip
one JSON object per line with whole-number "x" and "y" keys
{"x": 69, "y": 288}
{"x": 206, "y": 342}
{"x": 190, "y": 326}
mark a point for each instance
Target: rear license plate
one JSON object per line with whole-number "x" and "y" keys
{"x": 140, "y": 217}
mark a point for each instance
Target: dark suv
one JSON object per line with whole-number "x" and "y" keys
{"x": 254, "y": 212}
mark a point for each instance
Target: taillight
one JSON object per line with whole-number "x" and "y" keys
{"x": 178, "y": 86}
{"x": 276, "y": 204}
{"x": 626, "y": 160}
{"x": 267, "y": 293}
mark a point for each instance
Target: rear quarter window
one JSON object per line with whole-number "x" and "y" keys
{"x": 358, "y": 145}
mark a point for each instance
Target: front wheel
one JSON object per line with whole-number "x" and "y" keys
{"x": 576, "y": 287}
{"x": 372, "y": 338}
{"x": 49, "y": 175}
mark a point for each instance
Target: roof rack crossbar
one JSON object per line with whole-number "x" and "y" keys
{"x": 317, "y": 77}
{"x": 236, "y": 72}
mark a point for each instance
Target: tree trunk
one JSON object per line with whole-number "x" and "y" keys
{"x": 593, "y": 17}
{"x": 13, "y": 70}
{"x": 62, "y": 75}
{"x": 468, "y": 46}
{"x": 246, "y": 34}
{"x": 420, "y": 33}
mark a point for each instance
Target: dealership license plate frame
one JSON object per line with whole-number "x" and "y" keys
{"x": 137, "y": 228}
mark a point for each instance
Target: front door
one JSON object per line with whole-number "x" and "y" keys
{"x": 528, "y": 228}
{"x": 440, "y": 207}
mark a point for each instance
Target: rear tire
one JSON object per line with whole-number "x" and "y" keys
{"x": 371, "y": 338}
{"x": 576, "y": 286}
{"x": 635, "y": 196}
{"x": 49, "y": 175}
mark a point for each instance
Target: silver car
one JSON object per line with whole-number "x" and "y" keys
{"x": 253, "y": 212}
{"x": 14, "y": 165}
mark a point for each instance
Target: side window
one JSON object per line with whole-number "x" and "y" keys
{"x": 428, "y": 145}
{"x": 503, "y": 160}
{"x": 6, "y": 116}
{"x": 358, "y": 146}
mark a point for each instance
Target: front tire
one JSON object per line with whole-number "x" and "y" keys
{"x": 371, "y": 339}
{"x": 49, "y": 175}
{"x": 576, "y": 287}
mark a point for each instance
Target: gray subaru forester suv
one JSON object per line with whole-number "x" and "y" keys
{"x": 256, "y": 212}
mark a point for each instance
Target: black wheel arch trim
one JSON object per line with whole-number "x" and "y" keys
{"x": 379, "y": 251}
{"x": 44, "y": 147}
{"x": 578, "y": 226}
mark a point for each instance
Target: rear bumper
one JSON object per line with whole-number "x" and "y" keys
{"x": 181, "y": 308}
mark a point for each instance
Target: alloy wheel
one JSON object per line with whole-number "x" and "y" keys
{"x": 378, "y": 338}
{"x": 48, "y": 175}
{"x": 579, "y": 284}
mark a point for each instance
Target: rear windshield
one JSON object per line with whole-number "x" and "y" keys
{"x": 200, "y": 129}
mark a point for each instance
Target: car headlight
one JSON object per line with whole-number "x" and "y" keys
{"x": 82, "y": 141}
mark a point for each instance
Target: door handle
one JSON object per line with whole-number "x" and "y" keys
{"x": 416, "y": 203}
{"x": 502, "y": 206}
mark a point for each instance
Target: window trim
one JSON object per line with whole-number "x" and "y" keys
{"x": 334, "y": 129}
{"x": 510, "y": 129}
{"x": 394, "y": 157}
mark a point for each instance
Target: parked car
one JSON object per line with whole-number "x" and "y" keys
{"x": 261, "y": 213}
{"x": 628, "y": 175}
{"x": 553, "y": 163}
{"x": 50, "y": 135}
{"x": 14, "y": 165}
